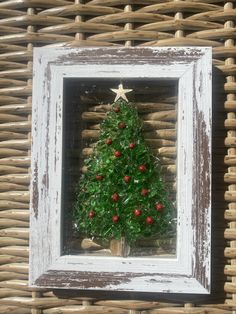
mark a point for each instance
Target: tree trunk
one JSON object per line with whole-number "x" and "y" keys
{"x": 119, "y": 247}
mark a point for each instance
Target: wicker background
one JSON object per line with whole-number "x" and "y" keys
{"x": 25, "y": 24}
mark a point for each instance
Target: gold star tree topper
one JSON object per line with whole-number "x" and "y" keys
{"x": 120, "y": 92}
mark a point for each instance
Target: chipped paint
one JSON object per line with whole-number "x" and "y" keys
{"x": 202, "y": 200}
{"x": 124, "y": 55}
{"x": 184, "y": 274}
{"x": 35, "y": 196}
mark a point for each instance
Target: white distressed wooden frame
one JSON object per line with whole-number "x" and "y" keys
{"x": 189, "y": 272}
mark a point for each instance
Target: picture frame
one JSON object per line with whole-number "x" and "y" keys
{"x": 189, "y": 271}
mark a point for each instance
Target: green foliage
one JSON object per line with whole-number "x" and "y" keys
{"x": 96, "y": 207}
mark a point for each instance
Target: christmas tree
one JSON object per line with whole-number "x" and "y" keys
{"x": 122, "y": 194}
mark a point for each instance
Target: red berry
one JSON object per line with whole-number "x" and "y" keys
{"x": 108, "y": 141}
{"x": 115, "y": 218}
{"x": 91, "y": 214}
{"x": 117, "y": 153}
{"x": 127, "y": 179}
{"x": 142, "y": 168}
{"x": 159, "y": 206}
{"x": 132, "y": 145}
{"x": 115, "y": 197}
{"x": 144, "y": 192}
{"x": 117, "y": 109}
{"x": 137, "y": 212}
{"x": 149, "y": 220}
{"x": 99, "y": 177}
{"x": 121, "y": 125}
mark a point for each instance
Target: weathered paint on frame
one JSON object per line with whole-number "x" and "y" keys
{"x": 189, "y": 272}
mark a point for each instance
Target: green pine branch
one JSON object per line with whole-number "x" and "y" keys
{"x": 122, "y": 194}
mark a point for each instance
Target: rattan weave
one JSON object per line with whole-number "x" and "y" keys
{"x": 25, "y": 24}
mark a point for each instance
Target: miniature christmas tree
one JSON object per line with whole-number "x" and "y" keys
{"x": 122, "y": 194}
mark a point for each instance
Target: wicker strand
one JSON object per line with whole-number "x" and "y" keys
{"x": 230, "y": 115}
{"x": 179, "y": 16}
{"x": 78, "y": 18}
{"x": 14, "y": 222}
{"x": 128, "y": 26}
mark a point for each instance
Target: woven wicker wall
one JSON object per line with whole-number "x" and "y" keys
{"x": 25, "y": 24}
